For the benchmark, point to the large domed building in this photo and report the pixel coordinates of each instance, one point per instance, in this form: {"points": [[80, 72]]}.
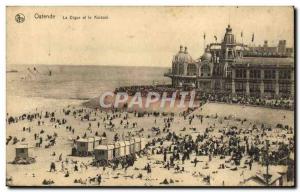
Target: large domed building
{"points": [[226, 67], [183, 64]]}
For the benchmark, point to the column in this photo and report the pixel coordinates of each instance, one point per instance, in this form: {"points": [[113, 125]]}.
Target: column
{"points": [[233, 82], [173, 82], [185, 69], [247, 83], [292, 83], [262, 85], [276, 82], [221, 85]]}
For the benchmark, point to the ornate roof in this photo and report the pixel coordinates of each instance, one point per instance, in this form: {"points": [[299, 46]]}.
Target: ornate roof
{"points": [[206, 56], [182, 56]]}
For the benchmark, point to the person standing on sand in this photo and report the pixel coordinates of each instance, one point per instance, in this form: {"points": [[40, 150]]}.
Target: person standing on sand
{"points": [[52, 167], [99, 178], [75, 167], [165, 155], [195, 161], [62, 166], [60, 157], [67, 174], [148, 168], [183, 159]]}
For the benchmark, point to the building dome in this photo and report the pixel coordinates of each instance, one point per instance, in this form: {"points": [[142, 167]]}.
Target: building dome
{"points": [[182, 56], [206, 56]]}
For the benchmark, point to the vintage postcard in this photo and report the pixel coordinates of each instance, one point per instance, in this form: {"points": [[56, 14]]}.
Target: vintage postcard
{"points": [[150, 96]]}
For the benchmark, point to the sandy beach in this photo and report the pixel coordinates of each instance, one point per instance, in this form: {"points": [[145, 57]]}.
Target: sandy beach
{"points": [[34, 174]]}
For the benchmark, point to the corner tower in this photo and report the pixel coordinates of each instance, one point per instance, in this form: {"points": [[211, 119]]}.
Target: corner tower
{"points": [[228, 52]]}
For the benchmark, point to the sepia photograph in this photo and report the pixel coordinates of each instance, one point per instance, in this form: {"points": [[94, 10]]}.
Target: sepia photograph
{"points": [[150, 96]]}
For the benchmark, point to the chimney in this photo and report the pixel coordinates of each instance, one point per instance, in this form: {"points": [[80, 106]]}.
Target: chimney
{"points": [[265, 43], [185, 50], [180, 49]]}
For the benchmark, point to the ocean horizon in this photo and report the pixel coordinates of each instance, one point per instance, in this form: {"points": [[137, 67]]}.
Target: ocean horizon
{"points": [[77, 81]]}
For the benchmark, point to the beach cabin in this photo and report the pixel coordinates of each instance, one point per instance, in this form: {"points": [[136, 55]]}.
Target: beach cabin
{"points": [[122, 148], [116, 151], [104, 152], [23, 151], [131, 148], [137, 144], [127, 147], [85, 147]]}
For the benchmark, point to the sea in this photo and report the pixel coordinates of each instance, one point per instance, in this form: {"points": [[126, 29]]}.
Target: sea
{"points": [[77, 81]]}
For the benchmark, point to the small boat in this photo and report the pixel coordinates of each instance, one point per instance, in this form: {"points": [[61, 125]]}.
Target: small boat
{"points": [[12, 71]]}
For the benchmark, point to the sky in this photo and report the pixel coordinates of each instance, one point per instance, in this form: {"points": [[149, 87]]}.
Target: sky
{"points": [[135, 36]]}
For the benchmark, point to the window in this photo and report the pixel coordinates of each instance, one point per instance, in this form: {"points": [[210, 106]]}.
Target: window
{"points": [[230, 54], [284, 88], [241, 73], [175, 68], [191, 69], [227, 70], [181, 69], [254, 87], [269, 87], [239, 86], [254, 74], [284, 74], [217, 85], [270, 74], [205, 70], [228, 86]]}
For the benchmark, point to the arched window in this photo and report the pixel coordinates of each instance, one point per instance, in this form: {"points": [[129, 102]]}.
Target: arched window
{"points": [[175, 68], [227, 70], [181, 69], [230, 54], [191, 69], [205, 70]]}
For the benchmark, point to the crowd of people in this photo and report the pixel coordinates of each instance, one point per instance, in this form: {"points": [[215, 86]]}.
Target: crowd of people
{"points": [[239, 147], [237, 142], [280, 103]]}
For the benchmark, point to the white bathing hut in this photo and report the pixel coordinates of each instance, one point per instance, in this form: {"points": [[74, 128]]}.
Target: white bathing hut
{"points": [[127, 147], [85, 146], [23, 151], [132, 145], [137, 144], [104, 152]]}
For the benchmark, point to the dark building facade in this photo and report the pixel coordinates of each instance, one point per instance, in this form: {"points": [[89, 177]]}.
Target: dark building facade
{"points": [[227, 67]]}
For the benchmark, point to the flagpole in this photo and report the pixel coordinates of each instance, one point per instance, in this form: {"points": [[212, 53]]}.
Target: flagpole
{"points": [[242, 36], [204, 37]]}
